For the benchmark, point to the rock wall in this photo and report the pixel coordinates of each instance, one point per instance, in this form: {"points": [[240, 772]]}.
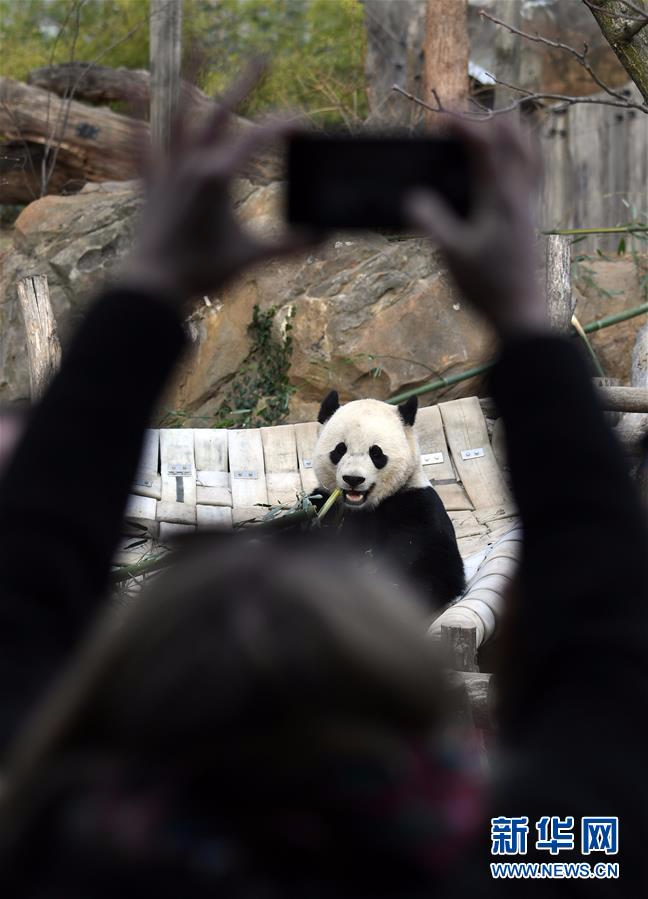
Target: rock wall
{"points": [[75, 241], [372, 315]]}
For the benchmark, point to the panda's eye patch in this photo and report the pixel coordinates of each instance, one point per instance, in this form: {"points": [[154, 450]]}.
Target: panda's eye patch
{"points": [[378, 458], [336, 454]]}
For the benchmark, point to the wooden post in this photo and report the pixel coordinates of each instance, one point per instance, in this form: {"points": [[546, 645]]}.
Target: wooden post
{"points": [[460, 643], [479, 688], [165, 23], [560, 302], [43, 348], [395, 36]]}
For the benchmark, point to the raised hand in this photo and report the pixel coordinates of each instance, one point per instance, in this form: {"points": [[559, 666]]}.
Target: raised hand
{"points": [[189, 241], [491, 254]]}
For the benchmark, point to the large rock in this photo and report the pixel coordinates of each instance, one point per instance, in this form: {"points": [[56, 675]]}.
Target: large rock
{"points": [[372, 315]]}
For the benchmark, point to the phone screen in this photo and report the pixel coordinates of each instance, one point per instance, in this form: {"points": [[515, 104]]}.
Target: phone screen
{"points": [[346, 182]]}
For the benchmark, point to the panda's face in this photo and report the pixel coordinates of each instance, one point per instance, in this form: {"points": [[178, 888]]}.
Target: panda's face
{"points": [[367, 449]]}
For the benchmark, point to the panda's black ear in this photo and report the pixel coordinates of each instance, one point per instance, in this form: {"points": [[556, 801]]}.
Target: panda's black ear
{"points": [[408, 410], [330, 404]]}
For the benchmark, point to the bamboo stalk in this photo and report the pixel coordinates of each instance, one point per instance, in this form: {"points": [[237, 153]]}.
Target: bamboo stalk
{"points": [[284, 521], [617, 229], [126, 572], [615, 319], [442, 382], [576, 325], [330, 502]]}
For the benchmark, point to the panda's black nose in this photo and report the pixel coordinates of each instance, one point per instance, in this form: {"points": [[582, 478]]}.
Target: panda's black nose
{"points": [[353, 480]]}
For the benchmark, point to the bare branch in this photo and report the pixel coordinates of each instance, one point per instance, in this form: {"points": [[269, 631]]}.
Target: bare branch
{"points": [[565, 100], [439, 108], [581, 57], [569, 100]]}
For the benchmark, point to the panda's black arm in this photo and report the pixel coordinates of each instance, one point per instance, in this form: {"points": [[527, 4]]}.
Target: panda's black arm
{"points": [[574, 687], [62, 496], [419, 536]]}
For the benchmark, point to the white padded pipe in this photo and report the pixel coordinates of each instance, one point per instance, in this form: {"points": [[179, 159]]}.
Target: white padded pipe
{"points": [[481, 604]]}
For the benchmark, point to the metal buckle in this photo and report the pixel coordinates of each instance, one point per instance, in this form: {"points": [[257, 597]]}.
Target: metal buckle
{"points": [[431, 458], [245, 475]]}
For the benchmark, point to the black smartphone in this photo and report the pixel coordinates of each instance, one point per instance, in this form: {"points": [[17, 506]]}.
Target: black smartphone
{"points": [[345, 181]]}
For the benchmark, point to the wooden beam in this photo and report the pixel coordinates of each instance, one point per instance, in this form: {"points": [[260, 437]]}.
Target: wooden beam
{"points": [[560, 301], [479, 689], [43, 347], [613, 399], [624, 399], [165, 24], [460, 644]]}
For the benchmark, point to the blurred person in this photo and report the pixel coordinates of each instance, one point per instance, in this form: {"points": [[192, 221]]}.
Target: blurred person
{"points": [[264, 722]]}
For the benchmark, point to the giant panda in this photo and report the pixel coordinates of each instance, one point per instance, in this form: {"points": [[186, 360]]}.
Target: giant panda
{"points": [[369, 450]]}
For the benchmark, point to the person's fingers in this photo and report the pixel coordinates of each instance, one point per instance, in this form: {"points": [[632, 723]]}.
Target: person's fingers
{"points": [[258, 137], [229, 158], [181, 124], [233, 97], [297, 240], [427, 211]]}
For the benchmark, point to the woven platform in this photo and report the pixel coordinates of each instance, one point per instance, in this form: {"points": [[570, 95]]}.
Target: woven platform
{"points": [[197, 478]]}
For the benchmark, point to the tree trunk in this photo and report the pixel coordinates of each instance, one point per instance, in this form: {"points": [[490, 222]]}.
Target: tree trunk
{"points": [[395, 34], [446, 53], [630, 45]]}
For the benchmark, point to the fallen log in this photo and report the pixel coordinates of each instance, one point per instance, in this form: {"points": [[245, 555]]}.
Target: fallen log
{"points": [[89, 143], [102, 84], [86, 143], [21, 168]]}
